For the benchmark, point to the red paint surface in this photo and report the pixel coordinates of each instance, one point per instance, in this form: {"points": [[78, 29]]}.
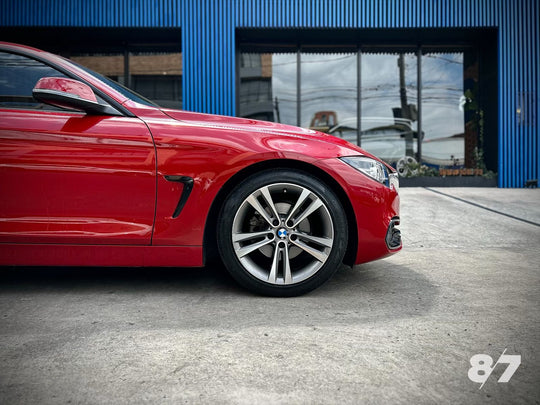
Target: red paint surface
{"points": [[70, 86]]}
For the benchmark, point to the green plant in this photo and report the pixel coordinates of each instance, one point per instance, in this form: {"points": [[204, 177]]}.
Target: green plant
{"points": [[479, 149], [414, 169]]}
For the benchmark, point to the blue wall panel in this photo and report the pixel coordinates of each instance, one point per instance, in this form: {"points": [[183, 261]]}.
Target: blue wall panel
{"points": [[91, 13], [208, 41], [366, 13], [208, 56], [519, 72]]}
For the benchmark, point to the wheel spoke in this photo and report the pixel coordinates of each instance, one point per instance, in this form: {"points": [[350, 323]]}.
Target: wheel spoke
{"points": [[268, 198], [258, 207], [272, 277], [317, 254], [314, 206], [286, 266], [305, 194], [326, 242], [281, 257], [240, 237], [245, 250]]}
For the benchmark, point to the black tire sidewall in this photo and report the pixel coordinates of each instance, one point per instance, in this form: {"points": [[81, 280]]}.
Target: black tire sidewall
{"points": [[235, 199]]}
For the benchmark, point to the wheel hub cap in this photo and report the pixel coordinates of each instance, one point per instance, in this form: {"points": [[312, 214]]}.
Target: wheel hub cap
{"points": [[282, 233]]}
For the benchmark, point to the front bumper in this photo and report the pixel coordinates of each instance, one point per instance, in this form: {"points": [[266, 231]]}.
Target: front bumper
{"points": [[393, 235], [376, 211]]}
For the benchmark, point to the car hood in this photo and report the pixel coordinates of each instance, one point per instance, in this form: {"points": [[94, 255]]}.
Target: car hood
{"points": [[264, 128]]}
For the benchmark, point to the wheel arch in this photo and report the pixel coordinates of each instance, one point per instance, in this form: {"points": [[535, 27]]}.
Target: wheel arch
{"points": [[210, 250]]}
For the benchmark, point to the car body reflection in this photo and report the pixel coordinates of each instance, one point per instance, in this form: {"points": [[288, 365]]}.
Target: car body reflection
{"points": [[393, 139]]}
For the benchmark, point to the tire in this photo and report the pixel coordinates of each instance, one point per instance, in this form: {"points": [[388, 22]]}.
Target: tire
{"points": [[282, 233]]}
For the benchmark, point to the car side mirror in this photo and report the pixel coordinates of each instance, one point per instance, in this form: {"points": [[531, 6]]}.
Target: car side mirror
{"points": [[71, 94]]}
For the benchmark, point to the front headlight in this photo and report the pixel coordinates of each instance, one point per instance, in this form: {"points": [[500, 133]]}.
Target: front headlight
{"points": [[368, 166]]}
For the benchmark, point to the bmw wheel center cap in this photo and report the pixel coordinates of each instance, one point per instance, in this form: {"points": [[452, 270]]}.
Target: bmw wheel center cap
{"points": [[282, 233]]}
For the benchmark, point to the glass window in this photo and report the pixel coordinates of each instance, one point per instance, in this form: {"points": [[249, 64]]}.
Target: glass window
{"points": [[256, 96], [165, 91], [284, 87], [18, 76], [389, 100], [329, 92], [267, 88], [329, 99], [155, 75], [118, 87], [443, 106], [110, 65], [250, 60]]}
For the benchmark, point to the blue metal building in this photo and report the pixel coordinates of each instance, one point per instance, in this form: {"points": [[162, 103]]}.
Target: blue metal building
{"points": [[212, 33]]}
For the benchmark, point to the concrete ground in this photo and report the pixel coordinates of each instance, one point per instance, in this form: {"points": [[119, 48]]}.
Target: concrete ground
{"points": [[399, 330]]}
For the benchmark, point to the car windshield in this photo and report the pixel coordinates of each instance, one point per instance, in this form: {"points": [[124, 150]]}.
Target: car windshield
{"points": [[117, 86]]}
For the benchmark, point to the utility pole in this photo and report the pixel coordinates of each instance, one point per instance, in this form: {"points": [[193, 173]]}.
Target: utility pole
{"points": [[405, 109], [276, 107]]}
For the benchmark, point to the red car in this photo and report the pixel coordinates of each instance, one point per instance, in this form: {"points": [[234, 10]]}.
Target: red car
{"points": [[93, 174]]}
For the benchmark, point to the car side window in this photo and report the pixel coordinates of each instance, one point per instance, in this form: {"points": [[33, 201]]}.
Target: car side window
{"points": [[18, 76]]}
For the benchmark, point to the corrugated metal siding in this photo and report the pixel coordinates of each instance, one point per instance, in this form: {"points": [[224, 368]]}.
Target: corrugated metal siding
{"points": [[519, 73], [366, 13], [209, 57], [208, 28], [91, 13]]}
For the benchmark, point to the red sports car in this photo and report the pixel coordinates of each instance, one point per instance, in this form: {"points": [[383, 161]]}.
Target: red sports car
{"points": [[93, 174]]}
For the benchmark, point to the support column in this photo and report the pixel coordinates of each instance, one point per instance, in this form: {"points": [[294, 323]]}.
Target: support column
{"points": [[208, 49]]}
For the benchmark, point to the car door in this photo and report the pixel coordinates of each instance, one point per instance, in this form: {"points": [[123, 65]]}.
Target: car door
{"points": [[67, 177]]}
